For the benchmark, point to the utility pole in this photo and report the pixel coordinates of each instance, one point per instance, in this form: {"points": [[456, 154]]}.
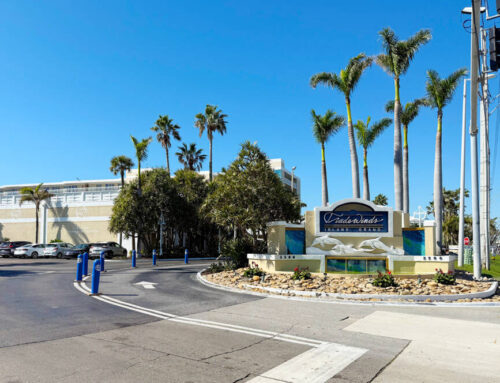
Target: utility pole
{"points": [[475, 25], [484, 160], [462, 181]]}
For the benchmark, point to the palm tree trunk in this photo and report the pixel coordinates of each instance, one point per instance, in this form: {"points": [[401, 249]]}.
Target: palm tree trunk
{"points": [[406, 180], [438, 186], [210, 161], [324, 183], [168, 161], [398, 171], [352, 148], [366, 183], [36, 222], [123, 184]]}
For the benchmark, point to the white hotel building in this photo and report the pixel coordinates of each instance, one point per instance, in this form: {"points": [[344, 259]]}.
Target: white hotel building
{"points": [[79, 211]]}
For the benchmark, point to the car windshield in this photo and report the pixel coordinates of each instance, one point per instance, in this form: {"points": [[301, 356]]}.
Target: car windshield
{"points": [[4, 244], [52, 245], [82, 246]]}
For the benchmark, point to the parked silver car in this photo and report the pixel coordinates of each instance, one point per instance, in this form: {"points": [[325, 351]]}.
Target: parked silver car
{"points": [[56, 249], [30, 250], [111, 249]]}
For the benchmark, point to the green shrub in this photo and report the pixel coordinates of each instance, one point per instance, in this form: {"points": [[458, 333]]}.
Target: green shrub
{"points": [[445, 279], [234, 252], [384, 280], [253, 271], [301, 274], [55, 241], [216, 268]]}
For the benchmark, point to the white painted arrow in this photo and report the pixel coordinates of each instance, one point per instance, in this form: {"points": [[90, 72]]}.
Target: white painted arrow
{"points": [[147, 285]]}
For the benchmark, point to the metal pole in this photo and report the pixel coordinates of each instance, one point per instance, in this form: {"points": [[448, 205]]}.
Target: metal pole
{"points": [[484, 166], [162, 222], [473, 137], [462, 182]]}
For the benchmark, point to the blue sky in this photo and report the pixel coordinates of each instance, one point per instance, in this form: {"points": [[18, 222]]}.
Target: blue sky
{"points": [[77, 78]]}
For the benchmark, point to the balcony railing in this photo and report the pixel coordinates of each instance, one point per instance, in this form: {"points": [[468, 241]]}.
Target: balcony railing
{"points": [[65, 196]]}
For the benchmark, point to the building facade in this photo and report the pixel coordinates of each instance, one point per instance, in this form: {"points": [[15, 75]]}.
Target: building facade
{"points": [[79, 211]]}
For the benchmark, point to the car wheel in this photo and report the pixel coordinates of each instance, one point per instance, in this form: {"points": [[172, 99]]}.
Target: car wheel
{"points": [[34, 255], [109, 255], [59, 255], [125, 253]]}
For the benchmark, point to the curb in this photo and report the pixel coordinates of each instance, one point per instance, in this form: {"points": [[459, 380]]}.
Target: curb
{"points": [[338, 298]]}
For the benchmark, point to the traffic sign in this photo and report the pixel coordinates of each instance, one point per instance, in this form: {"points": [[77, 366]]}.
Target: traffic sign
{"points": [[466, 241]]}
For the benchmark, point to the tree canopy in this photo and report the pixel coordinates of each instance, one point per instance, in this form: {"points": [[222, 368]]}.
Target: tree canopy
{"points": [[249, 194]]}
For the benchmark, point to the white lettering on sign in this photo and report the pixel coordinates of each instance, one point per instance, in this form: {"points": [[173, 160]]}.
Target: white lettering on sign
{"points": [[341, 219]]}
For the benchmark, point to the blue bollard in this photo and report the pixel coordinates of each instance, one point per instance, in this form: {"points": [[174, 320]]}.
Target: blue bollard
{"points": [[96, 274], [103, 259], [85, 259], [154, 257], [186, 256], [134, 258], [79, 266]]}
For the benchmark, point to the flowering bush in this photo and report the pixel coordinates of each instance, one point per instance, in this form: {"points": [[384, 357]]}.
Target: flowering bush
{"points": [[445, 279], [301, 274], [384, 280], [253, 271]]}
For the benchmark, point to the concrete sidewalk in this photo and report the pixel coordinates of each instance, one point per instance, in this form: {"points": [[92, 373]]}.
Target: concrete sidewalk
{"points": [[156, 352], [441, 350]]}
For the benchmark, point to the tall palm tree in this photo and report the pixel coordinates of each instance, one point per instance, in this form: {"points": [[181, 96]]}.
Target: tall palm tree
{"points": [[165, 128], [345, 82], [439, 94], [323, 128], [366, 137], [141, 153], [121, 164], [213, 120], [36, 195], [407, 115], [396, 61], [191, 157]]}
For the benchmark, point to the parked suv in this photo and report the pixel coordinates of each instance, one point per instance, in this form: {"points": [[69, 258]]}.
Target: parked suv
{"points": [[30, 250], [7, 248], [111, 249], [56, 249]]}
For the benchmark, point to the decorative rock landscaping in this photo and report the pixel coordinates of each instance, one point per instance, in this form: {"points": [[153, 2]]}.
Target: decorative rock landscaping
{"points": [[358, 288]]}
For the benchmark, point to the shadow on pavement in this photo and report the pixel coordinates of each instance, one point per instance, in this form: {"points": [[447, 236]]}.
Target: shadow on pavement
{"points": [[14, 273], [28, 264]]}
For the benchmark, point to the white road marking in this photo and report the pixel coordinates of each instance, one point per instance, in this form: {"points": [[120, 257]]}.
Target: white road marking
{"points": [[317, 365], [314, 366], [146, 285]]}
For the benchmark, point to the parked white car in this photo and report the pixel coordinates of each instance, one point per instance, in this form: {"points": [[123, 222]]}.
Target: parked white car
{"points": [[30, 250], [56, 249]]}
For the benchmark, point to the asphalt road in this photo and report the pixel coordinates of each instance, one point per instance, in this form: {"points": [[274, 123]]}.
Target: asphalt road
{"points": [[50, 331], [38, 301]]}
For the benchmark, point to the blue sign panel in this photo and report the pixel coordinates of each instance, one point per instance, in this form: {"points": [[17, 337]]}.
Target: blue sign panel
{"points": [[353, 221]]}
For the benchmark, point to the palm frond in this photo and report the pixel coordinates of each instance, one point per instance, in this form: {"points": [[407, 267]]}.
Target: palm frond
{"points": [[376, 129], [389, 107], [327, 125]]}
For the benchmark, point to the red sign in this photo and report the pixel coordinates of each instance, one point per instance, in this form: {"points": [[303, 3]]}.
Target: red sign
{"points": [[466, 241]]}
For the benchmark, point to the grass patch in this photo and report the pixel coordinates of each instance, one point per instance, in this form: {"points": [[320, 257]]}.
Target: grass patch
{"points": [[493, 272]]}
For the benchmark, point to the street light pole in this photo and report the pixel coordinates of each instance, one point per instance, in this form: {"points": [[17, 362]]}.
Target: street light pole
{"points": [[476, 4], [484, 163], [162, 222], [462, 181]]}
